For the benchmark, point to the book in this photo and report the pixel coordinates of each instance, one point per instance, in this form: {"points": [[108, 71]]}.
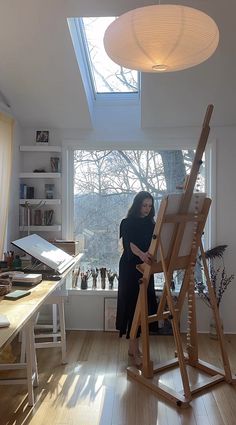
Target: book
{"points": [[24, 219], [23, 190], [48, 217], [16, 295], [26, 279], [38, 220], [49, 191], [29, 192], [55, 164]]}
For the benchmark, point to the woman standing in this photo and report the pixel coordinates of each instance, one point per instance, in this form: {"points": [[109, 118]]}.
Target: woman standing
{"points": [[136, 233]]}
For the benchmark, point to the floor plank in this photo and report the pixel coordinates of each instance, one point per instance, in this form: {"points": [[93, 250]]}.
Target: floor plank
{"points": [[93, 389]]}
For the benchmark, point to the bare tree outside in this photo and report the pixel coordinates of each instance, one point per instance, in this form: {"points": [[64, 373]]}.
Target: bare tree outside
{"points": [[105, 183], [108, 77]]}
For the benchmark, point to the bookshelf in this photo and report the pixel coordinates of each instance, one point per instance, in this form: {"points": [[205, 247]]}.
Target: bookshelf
{"points": [[40, 189]]}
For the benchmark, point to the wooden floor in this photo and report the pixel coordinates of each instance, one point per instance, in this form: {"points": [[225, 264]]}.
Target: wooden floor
{"points": [[92, 389]]}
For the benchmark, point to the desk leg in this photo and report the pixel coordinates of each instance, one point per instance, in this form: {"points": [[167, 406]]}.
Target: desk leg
{"points": [[31, 363], [34, 357], [54, 321], [63, 330], [22, 352]]}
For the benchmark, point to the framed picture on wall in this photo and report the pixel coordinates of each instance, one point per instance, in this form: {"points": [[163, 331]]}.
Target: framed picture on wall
{"points": [[110, 314], [42, 136]]}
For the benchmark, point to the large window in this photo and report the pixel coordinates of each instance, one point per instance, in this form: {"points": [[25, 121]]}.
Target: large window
{"points": [[105, 183]]}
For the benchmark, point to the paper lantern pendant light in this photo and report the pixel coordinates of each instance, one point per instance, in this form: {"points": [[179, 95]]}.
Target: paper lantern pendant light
{"points": [[161, 38]]}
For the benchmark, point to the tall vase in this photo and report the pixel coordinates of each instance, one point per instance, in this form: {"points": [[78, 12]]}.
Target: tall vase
{"points": [[212, 326]]}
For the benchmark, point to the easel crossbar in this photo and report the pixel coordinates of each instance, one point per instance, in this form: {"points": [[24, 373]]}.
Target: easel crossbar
{"points": [[183, 218], [159, 389], [206, 383], [177, 397]]}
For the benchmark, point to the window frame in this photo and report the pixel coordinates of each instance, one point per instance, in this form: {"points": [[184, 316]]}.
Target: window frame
{"points": [[84, 61], [68, 185]]}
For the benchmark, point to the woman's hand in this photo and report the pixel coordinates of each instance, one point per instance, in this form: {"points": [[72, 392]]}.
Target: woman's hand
{"points": [[146, 257]]}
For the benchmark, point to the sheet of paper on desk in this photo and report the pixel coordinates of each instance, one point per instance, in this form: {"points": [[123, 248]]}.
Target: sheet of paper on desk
{"points": [[44, 251], [26, 278], [4, 322]]}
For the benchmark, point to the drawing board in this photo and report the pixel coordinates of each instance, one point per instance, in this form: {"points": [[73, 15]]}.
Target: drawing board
{"points": [[46, 252]]}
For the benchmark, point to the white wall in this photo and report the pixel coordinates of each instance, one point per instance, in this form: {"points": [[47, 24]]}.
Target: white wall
{"points": [[225, 216], [225, 198], [13, 217]]}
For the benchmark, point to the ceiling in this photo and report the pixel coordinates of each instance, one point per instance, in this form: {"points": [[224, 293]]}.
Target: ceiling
{"points": [[40, 78]]}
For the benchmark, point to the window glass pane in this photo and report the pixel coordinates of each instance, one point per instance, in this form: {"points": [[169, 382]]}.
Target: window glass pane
{"points": [[107, 76], [105, 183]]}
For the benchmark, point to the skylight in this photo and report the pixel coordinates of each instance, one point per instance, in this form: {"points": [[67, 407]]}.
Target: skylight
{"points": [[105, 76]]}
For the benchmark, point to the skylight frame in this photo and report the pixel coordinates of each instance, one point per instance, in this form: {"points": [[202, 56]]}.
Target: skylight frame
{"points": [[81, 44], [86, 54]]}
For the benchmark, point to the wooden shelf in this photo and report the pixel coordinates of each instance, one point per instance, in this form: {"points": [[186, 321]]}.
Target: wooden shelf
{"points": [[40, 148], [40, 175], [53, 228], [37, 201]]}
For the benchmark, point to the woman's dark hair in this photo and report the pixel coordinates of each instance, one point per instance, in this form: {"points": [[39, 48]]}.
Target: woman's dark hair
{"points": [[135, 208]]}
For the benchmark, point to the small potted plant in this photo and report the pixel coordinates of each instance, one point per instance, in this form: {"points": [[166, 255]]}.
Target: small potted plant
{"points": [[219, 278]]}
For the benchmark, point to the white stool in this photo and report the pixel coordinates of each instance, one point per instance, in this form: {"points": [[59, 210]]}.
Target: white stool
{"points": [[57, 334]]}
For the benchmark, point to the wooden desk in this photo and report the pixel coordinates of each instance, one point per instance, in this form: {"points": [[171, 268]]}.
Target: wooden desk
{"points": [[21, 314]]}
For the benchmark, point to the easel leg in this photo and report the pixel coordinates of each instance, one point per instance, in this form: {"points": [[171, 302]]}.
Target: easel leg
{"points": [[192, 346], [179, 348], [175, 326], [147, 368], [228, 374]]}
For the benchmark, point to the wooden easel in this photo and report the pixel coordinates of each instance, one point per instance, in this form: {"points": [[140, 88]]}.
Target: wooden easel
{"points": [[174, 249]]}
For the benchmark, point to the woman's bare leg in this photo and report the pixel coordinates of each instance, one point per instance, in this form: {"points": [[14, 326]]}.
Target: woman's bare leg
{"points": [[135, 352]]}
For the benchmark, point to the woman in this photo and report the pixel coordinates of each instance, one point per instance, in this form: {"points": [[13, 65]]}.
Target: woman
{"points": [[136, 233]]}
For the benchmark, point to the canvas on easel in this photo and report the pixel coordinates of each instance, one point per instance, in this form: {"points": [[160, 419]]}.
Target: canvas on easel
{"points": [[175, 244]]}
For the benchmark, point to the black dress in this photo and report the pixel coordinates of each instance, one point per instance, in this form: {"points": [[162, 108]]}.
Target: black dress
{"points": [[138, 231]]}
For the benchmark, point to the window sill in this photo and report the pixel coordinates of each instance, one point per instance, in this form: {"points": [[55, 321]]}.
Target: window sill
{"points": [[90, 291]]}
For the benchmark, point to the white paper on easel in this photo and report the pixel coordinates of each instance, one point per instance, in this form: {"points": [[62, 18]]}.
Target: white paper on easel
{"points": [[174, 201]]}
